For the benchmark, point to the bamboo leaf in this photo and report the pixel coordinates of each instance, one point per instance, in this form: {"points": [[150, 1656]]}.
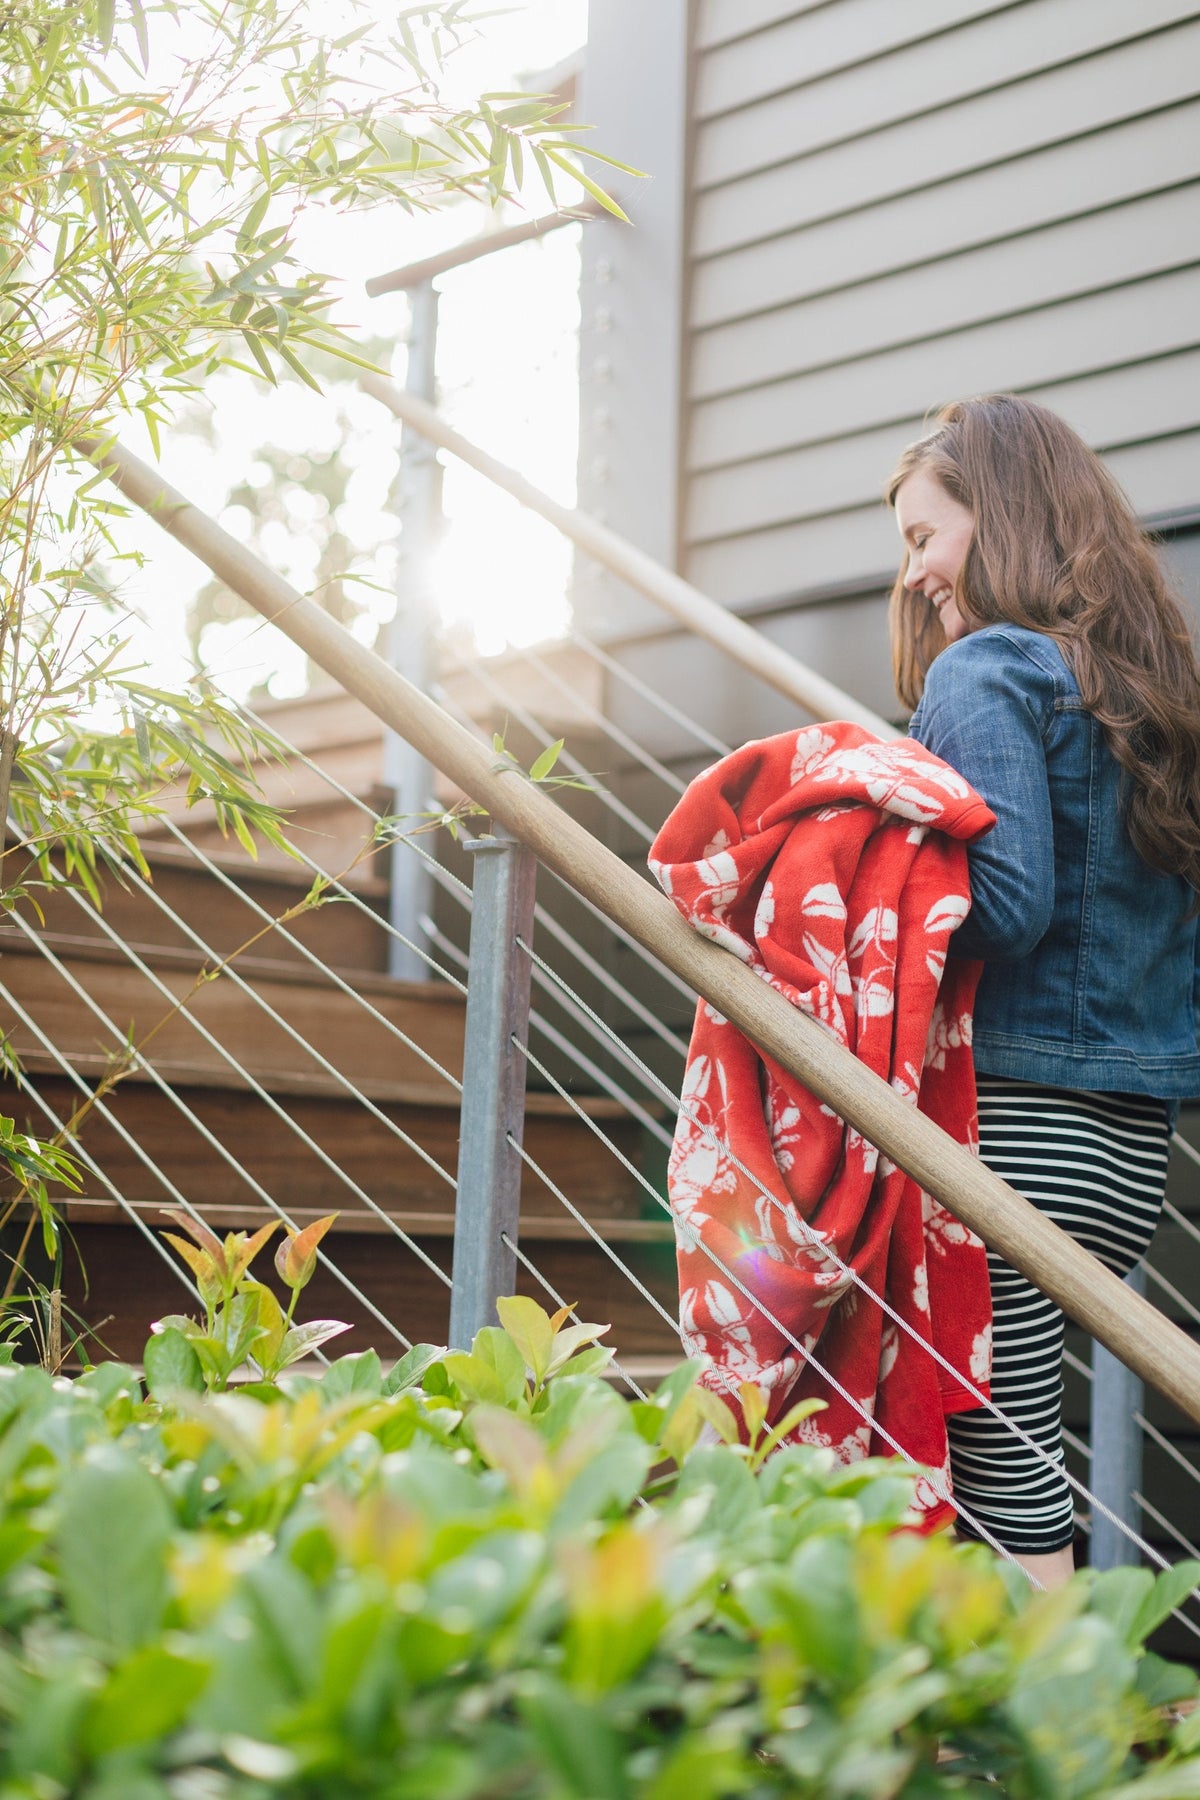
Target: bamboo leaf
{"points": [[543, 764]]}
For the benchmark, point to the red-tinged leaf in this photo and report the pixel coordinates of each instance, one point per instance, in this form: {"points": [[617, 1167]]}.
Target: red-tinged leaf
{"points": [[203, 1236], [198, 1261], [296, 1257], [241, 1250]]}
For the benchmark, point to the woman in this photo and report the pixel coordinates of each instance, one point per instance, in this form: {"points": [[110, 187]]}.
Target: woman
{"points": [[1034, 635]]}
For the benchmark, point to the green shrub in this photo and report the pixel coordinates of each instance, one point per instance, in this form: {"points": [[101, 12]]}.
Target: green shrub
{"points": [[485, 1576]]}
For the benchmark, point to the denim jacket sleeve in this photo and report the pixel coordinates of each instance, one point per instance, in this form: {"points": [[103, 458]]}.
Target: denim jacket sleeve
{"points": [[985, 711]]}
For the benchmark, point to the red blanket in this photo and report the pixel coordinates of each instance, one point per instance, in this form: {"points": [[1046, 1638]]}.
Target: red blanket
{"points": [[834, 865]]}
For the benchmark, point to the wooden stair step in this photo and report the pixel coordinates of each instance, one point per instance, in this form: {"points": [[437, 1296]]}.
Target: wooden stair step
{"points": [[534, 1228], [320, 1013], [342, 935], [280, 1156]]}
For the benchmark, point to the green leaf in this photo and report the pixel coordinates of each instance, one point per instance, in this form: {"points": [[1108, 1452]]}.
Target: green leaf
{"points": [[113, 1531], [727, 1486], [577, 1741], [1160, 1683], [411, 1368], [1179, 1782], [529, 1327], [570, 1339], [302, 1340], [358, 1373], [271, 1322], [1170, 1590], [171, 1362], [542, 765], [146, 1697], [1068, 1703]]}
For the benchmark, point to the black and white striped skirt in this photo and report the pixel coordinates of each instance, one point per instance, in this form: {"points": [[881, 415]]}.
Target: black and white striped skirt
{"points": [[1096, 1165]]}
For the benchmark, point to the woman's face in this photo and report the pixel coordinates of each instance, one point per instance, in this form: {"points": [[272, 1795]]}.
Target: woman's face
{"points": [[937, 534]]}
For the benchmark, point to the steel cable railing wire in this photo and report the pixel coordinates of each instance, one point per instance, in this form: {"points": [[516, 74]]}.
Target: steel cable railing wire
{"points": [[1079, 1487], [1164, 1524], [255, 1087], [210, 1137], [1164, 1443], [310, 956], [852, 1275], [645, 692], [582, 1062], [549, 924], [84, 1156], [230, 973], [541, 736], [459, 889], [1172, 1292], [608, 726], [1083, 1518]]}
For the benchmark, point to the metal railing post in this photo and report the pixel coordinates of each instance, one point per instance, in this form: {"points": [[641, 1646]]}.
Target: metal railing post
{"points": [[1116, 1464], [407, 637], [488, 1193]]}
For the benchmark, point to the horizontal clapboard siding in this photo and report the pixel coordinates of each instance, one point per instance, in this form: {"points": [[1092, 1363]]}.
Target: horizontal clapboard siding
{"points": [[896, 205], [1055, 106], [1130, 323], [1115, 410], [987, 206], [1036, 269], [814, 44], [1005, 46], [720, 21]]}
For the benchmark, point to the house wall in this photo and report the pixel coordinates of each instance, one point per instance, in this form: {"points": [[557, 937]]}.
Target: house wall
{"points": [[893, 205]]}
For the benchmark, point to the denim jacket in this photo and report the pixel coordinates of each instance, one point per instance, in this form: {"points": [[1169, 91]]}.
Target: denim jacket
{"points": [[1089, 954]]}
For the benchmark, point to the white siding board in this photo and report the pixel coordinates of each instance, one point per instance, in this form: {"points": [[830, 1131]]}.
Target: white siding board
{"points": [[720, 21], [1084, 175], [1125, 324], [1123, 243], [914, 86], [798, 484], [792, 558], [847, 641], [1121, 407], [864, 545], [1061, 104], [1161, 476], [809, 46]]}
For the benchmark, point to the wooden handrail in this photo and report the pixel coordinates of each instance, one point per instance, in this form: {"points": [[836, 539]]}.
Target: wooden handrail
{"points": [[720, 627], [524, 231], [1122, 1320]]}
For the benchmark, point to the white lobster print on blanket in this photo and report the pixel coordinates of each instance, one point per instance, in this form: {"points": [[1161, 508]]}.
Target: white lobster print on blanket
{"points": [[834, 865]]}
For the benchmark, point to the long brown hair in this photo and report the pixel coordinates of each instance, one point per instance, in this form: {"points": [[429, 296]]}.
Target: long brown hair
{"points": [[1056, 547]]}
